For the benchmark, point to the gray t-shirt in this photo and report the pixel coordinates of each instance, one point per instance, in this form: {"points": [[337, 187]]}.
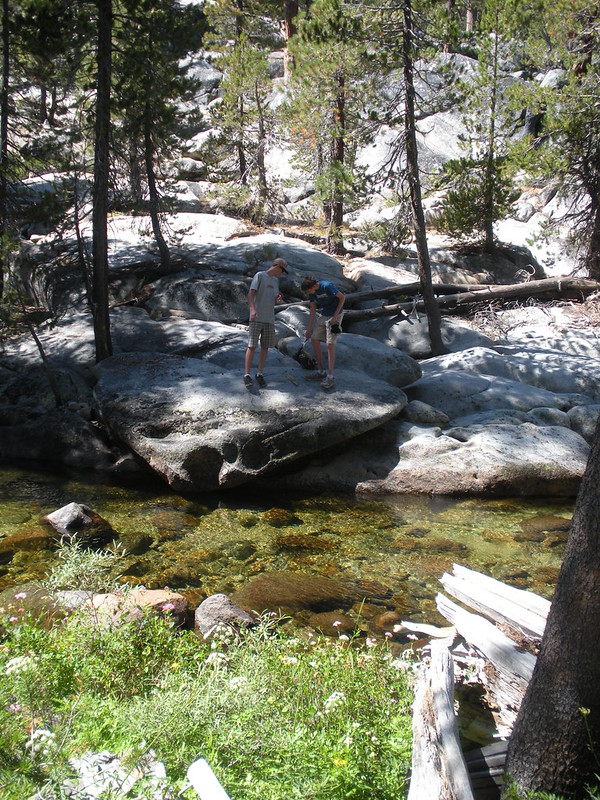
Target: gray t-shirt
{"points": [[267, 289]]}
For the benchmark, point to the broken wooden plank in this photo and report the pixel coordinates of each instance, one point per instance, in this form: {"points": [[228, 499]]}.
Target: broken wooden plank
{"points": [[438, 767], [491, 642], [523, 611], [425, 628]]}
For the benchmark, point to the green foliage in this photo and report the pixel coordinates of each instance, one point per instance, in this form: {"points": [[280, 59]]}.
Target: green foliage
{"points": [[90, 570], [333, 83], [152, 93], [466, 203], [480, 184], [275, 715]]}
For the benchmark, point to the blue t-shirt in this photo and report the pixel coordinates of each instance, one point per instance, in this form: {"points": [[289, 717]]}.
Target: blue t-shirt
{"points": [[326, 298]]}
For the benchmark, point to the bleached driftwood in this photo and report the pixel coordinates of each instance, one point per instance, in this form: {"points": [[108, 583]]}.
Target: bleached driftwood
{"points": [[501, 665], [438, 766], [508, 669], [489, 640], [523, 611], [549, 288], [427, 630]]}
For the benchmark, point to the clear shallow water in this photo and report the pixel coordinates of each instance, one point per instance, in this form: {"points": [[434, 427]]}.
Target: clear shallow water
{"points": [[393, 549]]}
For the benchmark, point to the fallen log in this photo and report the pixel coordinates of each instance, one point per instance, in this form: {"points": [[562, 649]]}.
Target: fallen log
{"points": [[438, 767], [551, 288], [484, 653], [508, 669], [522, 611]]}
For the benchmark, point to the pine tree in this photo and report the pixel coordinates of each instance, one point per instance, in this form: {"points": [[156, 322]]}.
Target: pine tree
{"points": [[480, 184], [243, 33], [150, 85], [331, 83]]}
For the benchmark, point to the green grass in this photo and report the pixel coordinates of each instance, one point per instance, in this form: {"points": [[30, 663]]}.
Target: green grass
{"points": [[276, 715]]}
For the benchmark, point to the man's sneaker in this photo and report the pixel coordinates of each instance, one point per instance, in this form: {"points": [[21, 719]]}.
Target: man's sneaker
{"points": [[248, 381], [327, 383], [316, 376], [260, 380]]}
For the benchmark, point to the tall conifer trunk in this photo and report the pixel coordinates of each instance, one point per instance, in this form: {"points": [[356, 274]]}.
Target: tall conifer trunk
{"points": [[335, 243], [555, 742], [4, 140], [412, 162], [100, 196]]}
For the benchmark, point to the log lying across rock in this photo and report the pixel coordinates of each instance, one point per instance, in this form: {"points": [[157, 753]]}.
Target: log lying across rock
{"points": [[503, 660], [549, 288], [454, 295]]}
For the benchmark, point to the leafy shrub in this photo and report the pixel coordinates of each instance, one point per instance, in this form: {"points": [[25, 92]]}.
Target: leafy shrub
{"points": [[275, 715]]}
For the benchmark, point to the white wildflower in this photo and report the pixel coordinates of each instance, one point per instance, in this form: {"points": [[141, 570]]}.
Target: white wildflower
{"points": [[335, 700], [19, 664]]}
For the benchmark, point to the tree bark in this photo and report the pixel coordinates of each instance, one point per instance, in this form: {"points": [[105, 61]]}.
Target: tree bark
{"points": [[4, 107], [290, 10], [263, 189], [336, 210], [593, 253], [433, 313], [490, 165], [100, 196], [555, 744], [470, 21], [163, 248]]}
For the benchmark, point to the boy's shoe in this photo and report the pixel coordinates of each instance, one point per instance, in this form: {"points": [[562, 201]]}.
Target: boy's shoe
{"points": [[260, 380], [327, 383], [248, 381], [316, 376]]}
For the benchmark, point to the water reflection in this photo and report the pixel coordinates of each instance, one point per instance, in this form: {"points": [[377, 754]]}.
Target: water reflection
{"points": [[389, 552]]}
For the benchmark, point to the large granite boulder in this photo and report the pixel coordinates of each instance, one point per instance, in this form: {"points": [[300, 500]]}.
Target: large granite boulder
{"points": [[196, 424]]}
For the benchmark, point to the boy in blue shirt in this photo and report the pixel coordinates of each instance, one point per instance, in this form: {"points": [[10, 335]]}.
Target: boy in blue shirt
{"points": [[326, 303]]}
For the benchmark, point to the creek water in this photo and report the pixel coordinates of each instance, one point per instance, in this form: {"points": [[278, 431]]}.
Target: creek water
{"points": [[391, 550]]}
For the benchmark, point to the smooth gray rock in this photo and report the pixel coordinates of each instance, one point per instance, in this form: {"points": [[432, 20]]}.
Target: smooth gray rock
{"points": [[196, 424], [219, 609], [506, 459], [366, 356]]}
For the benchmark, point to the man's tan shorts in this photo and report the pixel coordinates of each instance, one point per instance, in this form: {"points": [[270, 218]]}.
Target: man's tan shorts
{"points": [[322, 329]]}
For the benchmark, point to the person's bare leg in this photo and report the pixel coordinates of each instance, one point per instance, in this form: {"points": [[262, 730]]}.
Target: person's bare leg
{"points": [[262, 357], [248, 359], [318, 353], [331, 358]]}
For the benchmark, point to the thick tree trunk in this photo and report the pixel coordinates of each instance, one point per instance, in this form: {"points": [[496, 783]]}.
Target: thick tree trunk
{"points": [[555, 743], [4, 140], [593, 252], [290, 10], [335, 244], [163, 248], [433, 313], [100, 197], [470, 21]]}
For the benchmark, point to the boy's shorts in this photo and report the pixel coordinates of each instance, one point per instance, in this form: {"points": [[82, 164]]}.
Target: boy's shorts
{"points": [[263, 331], [322, 329]]}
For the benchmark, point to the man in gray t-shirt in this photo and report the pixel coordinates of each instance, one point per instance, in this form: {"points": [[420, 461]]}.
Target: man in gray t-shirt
{"points": [[262, 296]]}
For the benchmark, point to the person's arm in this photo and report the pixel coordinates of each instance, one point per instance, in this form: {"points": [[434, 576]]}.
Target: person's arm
{"points": [[341, 300], [251, 296], [311, 319]]}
